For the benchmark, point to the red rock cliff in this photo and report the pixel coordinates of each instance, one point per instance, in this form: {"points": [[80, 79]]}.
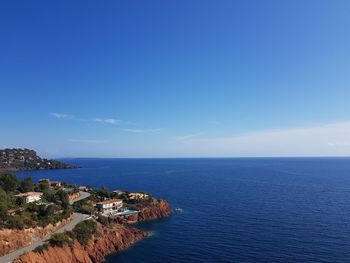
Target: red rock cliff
{"points": [[154, 210], [157, 209], [106, 241], [12, 239]]}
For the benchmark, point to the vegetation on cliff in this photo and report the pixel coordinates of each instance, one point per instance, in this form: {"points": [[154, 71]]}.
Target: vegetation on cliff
{"points": [[15, 213], [102, 234], [82, 233], [105, 240], [86, 206], [25, 159]]}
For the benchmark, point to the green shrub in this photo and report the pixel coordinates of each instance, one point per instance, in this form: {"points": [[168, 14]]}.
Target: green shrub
{"points": [[71, 234], [104, 220], [26, 184], [84, 230], [8, 182], [15, 222], [41, 248], [84, 206], [104, 192], [42, 186], [59, 239]]}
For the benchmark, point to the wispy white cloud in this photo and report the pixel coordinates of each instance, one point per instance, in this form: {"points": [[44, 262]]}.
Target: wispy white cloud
{"points": [[339, 143], [112, 121], [319, 140], [61, 115], [187, 136], [88, 141], [107, 120], [142, 130]]}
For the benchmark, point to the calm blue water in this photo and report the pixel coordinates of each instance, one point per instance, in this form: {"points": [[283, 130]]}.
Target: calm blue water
{"points": [[234, 210]]}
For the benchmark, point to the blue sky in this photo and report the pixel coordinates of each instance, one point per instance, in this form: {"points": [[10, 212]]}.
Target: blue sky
{"points": [[175, 78]]}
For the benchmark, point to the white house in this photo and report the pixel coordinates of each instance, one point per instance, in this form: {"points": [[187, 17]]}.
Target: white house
{"points": [[83, 188], [110, 206], [30, 197]]}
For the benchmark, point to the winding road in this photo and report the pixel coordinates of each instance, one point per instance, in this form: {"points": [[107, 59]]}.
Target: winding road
{"points": [[77, 218], [82, 196]]}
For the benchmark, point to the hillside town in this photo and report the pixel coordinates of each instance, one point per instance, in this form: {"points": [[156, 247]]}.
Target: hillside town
{"points": [[103, 202], [26, 159]]}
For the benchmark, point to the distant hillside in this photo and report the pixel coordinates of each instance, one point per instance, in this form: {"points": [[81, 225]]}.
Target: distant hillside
{"points": [[25, 159]]}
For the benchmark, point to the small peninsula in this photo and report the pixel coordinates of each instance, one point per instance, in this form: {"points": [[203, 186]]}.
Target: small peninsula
{"points": [[52, 221], [26, 159]]}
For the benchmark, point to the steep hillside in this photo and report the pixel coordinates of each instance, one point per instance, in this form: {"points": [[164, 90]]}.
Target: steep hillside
{"points": [[25, 159]]}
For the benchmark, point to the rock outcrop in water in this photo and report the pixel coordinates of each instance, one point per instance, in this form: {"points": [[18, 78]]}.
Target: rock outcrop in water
{"points": [[155, 209]]}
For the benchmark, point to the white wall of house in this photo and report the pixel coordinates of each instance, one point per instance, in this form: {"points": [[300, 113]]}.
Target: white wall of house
{"points": [[108, 208], [33, 198]]}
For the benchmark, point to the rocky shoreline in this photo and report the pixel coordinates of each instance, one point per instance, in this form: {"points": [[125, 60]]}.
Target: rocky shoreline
{"points": [[107, 239], [155, 210]]}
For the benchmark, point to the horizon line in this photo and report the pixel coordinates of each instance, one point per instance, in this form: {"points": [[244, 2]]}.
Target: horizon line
{"points": [[209, 157]]}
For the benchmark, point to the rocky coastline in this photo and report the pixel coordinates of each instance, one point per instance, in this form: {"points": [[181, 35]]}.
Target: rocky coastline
{"points": [[155, 210], [25, 159], [107, 239]]}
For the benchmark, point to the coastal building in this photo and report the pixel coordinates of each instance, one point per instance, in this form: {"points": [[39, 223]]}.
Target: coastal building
{"points": [[30, 197], [83, 188], [119, 192], [110, 207], [138, 195]]}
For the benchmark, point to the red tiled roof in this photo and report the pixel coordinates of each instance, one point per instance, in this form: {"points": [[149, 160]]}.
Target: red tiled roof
{"points": [[29, 194]]}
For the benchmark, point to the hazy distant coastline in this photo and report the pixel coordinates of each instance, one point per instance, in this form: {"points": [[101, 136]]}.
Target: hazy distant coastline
{"points": [[25, 159]]}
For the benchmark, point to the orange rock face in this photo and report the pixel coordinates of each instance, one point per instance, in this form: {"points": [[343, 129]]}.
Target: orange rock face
{"points": [[107, 241], [57, 255], [12, 239], [157, 209]]}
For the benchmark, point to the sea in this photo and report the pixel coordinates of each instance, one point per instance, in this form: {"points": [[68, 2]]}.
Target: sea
{"points": [[231, 210]]}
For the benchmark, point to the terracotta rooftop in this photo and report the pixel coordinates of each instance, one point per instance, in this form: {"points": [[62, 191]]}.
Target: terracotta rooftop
{"points": [[29, 194]]}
